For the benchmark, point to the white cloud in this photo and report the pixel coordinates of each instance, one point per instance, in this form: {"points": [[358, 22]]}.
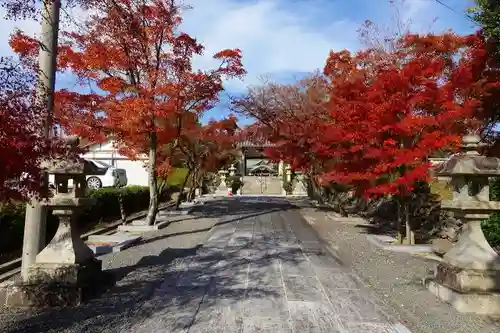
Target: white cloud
{"points": [[276, 36], [273, 38]]}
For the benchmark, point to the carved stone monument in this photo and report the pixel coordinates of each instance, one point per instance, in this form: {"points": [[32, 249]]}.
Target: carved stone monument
{"points": [[468, 278]]}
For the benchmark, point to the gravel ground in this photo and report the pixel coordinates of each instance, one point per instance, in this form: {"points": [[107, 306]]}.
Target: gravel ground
{"points": [[396, 278], [138, 270]]}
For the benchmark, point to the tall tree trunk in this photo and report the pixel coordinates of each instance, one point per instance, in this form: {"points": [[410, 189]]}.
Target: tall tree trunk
{"points": [[193, 186], [122, 207], [162, 188], [181, 192], [316, 189], [401, 231], [153, 181]]}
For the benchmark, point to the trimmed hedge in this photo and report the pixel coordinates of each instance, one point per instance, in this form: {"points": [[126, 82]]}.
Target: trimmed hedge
{"points": [[107, 208], [135, 198]]}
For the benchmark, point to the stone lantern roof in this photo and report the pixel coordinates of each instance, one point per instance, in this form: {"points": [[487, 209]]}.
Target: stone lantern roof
{"points": [[470, 163]]}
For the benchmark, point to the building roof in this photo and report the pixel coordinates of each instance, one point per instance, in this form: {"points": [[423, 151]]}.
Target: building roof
{"points": [[250, 143]]}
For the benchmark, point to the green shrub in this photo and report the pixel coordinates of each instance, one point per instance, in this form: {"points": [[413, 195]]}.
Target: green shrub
{"points": [[106, 208], [491, 229], [491, 226]]}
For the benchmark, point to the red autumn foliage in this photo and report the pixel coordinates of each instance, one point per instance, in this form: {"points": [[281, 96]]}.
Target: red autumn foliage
{"points": [[139, 67], [20, 148], [375, 119], [387, 118], [289, 117], [206, 148], [22, 125]]}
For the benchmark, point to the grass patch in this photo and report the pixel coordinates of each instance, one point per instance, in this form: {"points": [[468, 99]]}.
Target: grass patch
{"points": [[177, 177]]}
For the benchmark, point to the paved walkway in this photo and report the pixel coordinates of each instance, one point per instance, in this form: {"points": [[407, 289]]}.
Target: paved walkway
{"points": [[262, 268]]}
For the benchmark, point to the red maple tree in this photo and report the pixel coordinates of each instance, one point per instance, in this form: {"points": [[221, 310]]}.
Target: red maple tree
{"points": [[139, 65], [388, 117], [389, 114], [289, 116], [206, 148], [20, 145]]}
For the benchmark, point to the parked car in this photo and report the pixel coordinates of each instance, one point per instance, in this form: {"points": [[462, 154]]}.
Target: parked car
{"points": [[102, 175], [106, 175]]}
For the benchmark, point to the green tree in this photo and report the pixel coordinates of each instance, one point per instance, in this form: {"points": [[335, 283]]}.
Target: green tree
{"points": [[487, 13]]}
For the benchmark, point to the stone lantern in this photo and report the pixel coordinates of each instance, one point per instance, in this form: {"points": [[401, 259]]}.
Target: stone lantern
{"points": [[222, 188], [300, 187], [232, 170], [66, 261], [469, 276]]}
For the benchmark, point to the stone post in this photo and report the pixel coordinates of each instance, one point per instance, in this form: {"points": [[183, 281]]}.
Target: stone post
{"points": [[469, 276]]}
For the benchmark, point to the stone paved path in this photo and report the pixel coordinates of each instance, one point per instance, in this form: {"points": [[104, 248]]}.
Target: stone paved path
{"points": [[261, 268], [264, 273]]}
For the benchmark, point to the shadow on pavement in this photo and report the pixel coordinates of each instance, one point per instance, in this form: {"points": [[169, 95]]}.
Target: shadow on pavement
{"points": [[182, 285]]}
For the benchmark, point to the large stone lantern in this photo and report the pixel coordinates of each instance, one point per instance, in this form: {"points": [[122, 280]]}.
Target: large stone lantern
{"points": [[469, 276], [222, 188], [66, 266]]}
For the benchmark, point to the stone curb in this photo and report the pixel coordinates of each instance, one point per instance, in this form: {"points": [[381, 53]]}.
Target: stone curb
{"points": [[379, 242], [122, 242]]}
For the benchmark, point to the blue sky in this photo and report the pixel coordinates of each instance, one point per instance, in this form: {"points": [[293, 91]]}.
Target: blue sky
{"points": [[284, 39]]}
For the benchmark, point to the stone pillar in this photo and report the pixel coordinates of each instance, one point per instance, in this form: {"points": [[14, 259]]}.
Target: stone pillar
{"points": [[469, 276], [222, 175]]}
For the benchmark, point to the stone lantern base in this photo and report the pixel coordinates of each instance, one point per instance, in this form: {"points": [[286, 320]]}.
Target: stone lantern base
{"points": [[469, 276], [64, 274], [487, 303], [55, 285]]}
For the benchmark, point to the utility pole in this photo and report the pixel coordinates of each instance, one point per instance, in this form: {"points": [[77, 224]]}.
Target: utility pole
{"points": [[36, 214]]}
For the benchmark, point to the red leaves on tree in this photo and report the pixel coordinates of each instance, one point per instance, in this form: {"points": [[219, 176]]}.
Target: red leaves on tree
{"points": [[134, 54], [20, 146], [376, 117], [208, 147], [388, 117]]}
